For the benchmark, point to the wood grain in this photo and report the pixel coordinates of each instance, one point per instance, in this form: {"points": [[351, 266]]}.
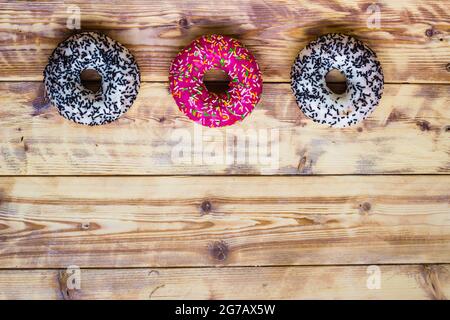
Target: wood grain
{"points": [[408, 133], [227, 237], [318, 282], [110, 222], [412, 41]]}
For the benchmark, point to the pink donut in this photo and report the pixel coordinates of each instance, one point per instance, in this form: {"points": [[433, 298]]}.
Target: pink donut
{"points": [[208, 108]]}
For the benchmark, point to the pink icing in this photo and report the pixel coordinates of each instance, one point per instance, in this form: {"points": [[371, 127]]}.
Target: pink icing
{"points": [[208, 108]]}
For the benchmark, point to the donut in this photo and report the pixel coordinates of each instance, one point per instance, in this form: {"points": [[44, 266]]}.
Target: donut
{"points": [[361, 68], [190, 93], [116, 66]]}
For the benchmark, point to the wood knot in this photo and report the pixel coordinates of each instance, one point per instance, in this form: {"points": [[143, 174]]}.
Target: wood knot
{"points": [[85, 226], [162, 119], [366, 206], [447, 67], [305, 221], [423, 125], [183, 23], [206, 207], [219, 250], [429, 32], [360, 129]]}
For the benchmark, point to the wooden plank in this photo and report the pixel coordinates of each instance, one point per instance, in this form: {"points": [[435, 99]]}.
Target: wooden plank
{"points": [[407, 133], [318, 282], [412, 41], [53, 222]]}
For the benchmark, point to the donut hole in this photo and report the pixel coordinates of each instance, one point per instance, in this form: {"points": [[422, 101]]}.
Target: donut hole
{"points": [[91, 80], [217, 81], [336, 81]]}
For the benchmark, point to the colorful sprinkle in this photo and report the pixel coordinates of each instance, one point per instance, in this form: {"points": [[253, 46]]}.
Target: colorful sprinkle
{"points": [[192, 97]]}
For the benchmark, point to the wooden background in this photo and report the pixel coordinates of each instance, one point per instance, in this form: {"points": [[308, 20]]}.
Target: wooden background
{"points": [[110, 199]]}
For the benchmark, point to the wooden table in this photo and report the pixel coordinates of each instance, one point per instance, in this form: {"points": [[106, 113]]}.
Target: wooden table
{"points": [[112, 200]]}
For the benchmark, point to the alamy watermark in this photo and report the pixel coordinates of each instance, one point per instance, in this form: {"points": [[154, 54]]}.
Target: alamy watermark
{"points": [[73, 278], [373, 281], [73, 21], [374, 19], [258, 147]]}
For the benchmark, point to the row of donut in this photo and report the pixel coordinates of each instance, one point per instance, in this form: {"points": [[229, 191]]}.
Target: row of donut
{"points": [[121, 80]]}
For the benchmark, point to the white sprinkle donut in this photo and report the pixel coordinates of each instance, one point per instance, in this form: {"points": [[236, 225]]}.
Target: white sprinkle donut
{"points": [[356, 61], [117, 67]]}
